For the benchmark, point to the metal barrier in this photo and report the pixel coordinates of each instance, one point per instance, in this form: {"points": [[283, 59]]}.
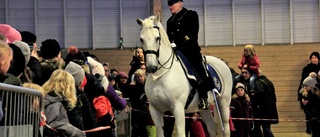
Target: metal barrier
{"points": [[123, 118], [22, 111]]}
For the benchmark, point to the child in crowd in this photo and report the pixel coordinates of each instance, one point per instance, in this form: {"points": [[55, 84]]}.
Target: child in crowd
{"points": [[241, 108], [137, 60], [251, 61], [60, 97], [310, 103]]}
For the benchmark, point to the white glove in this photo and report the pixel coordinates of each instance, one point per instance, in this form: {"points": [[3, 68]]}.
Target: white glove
{"points": [[173, 45]]}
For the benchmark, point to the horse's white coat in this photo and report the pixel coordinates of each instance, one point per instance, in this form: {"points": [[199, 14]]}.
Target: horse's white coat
{"points": [[167, 89]]}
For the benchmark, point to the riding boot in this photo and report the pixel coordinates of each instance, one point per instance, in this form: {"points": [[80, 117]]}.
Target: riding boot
{"points": [[203, 89]]}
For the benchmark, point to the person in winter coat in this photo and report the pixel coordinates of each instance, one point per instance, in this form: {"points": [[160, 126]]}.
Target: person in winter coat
{"points": [[60, 97], [250, 58], [241, 108], [313, 66], [310, 100]]}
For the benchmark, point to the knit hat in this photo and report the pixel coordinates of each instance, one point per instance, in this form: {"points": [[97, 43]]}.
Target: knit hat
{"points": [[102, 106], [28, 37], [50, 48], [309, 81], [123, 74], [316, 54], [96, 66], [239, 85], [11, 33], [76, 71], [24, 47], [18, 61], [76, 56]]}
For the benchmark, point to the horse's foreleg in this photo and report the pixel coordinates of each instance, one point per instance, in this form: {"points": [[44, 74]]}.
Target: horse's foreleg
{"points": [[208, 119], [157, 118], [179, 115]]}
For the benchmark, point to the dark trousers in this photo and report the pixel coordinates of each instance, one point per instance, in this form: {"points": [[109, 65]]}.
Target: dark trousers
{"points": [[256, 132], [314, 125], [204, 82]]}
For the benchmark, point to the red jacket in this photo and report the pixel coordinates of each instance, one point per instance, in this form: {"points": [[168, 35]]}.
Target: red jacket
{"points": [[253, 62]]}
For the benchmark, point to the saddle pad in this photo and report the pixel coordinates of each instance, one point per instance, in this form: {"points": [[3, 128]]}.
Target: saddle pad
{"points": [[215, 78]]}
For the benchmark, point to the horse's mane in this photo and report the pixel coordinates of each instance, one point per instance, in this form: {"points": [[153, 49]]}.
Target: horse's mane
{"points": [[150, 22]]}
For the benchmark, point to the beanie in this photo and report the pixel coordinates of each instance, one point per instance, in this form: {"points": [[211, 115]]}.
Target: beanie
{"points": [[102, 106], [309, 81], [28, 37], [239, 85], [316, 54], [76, 71], [50, 48], [123, 74], [76, 56], [96, 66], [18, 61], [24, 47], [11, 33]]}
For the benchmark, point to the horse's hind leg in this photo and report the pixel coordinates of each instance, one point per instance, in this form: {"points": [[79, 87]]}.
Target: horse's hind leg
{"points": [[157, 118], [224, 105], [208, 119]]}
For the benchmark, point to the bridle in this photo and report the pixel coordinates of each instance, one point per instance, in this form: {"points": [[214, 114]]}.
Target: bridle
{"points": [[157, 51]]}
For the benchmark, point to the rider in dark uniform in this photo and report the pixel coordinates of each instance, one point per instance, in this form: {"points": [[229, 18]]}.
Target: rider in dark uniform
{"points": [[183, 29]]}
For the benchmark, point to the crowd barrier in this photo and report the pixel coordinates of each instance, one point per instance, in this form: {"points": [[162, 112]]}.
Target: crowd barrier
{"points": [[21, 109], [123, 118]]}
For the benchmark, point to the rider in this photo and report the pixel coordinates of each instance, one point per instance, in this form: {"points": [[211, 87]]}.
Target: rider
{"points": [[182, 29]]}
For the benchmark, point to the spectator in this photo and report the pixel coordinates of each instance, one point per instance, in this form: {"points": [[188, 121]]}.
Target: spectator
{"points": [[60, 97], [241, 108], [34, 62], [310, 100], [51, 58], [137, 60], [138, 102], [250, 58], [106, 69], [313, 66]]}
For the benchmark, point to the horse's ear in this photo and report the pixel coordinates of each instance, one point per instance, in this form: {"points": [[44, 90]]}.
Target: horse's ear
{"points": [[158, 17], [139, 21]]}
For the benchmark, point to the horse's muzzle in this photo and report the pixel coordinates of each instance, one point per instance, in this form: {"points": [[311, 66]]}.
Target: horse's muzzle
{"points": [[151, 69]]}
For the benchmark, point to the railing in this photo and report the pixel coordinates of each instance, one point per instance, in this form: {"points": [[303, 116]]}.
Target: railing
{"points": [[21, 108], [123, 118]]}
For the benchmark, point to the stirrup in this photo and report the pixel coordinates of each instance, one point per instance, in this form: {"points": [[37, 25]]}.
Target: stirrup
{"points": [[216, 91], [204, 104]]}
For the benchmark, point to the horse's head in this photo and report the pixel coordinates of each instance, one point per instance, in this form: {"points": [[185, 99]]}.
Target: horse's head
{"points": [[150, 39]]}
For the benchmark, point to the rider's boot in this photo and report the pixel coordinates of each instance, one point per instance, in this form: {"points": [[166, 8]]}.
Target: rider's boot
{"points": [[203, 94]]}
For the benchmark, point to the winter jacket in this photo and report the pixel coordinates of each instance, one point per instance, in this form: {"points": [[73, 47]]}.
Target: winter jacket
{"points": [[117, 103], [305, 73], [35, 67], [241, 108], [48, 66], [252, 62], [57, 118]]}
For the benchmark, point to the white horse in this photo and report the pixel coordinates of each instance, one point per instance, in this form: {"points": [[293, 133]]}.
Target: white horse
{"points": [[167, 86]]}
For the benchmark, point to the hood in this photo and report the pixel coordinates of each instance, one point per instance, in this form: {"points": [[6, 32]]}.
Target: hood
{"points": [[51, 98]]}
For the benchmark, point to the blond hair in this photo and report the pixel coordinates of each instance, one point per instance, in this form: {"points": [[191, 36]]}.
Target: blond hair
{"points": [[250, 49], [135, 53], [35, 101], [4, 49], [62, 83]]}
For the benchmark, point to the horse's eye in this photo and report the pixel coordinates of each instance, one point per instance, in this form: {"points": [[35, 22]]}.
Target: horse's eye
{"points": [[158, 39]]}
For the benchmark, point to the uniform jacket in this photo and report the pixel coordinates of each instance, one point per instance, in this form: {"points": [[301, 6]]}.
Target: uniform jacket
{"points": [[57, 118], [253, 63], [183, 29]]}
